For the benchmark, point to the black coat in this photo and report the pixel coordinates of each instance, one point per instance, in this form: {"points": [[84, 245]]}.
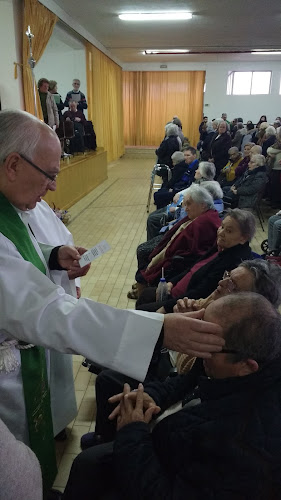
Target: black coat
{"points": [[182, 176], [249, 185], [228, 447], [205, 280], [166, 149], [266, 144], [219, 150], [206, 146]]}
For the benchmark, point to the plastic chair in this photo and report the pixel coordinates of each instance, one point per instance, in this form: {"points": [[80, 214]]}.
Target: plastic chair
{"points": [[161, 170]]}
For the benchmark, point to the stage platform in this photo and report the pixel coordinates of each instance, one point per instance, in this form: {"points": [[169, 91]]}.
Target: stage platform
{"points": [[79, 175]]}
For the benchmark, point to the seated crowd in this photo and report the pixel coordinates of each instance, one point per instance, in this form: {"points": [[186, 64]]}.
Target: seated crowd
{"points": [[201, 429], [195, 428], [74, 130]]}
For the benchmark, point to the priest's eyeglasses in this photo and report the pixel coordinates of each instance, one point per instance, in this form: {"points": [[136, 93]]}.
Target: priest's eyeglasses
{"points": [[52, 178]]}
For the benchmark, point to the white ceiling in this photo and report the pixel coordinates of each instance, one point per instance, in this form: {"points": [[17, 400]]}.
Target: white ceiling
{"points": [[217, 25]]}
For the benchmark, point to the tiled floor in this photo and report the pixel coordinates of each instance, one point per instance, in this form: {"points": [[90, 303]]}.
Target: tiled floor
{"points": [[116, 212]]}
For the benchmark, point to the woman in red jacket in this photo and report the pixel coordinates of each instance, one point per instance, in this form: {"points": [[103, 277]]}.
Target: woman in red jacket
{"points": [[190, 238]]}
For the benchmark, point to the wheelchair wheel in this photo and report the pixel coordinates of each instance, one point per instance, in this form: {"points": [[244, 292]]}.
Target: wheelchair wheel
{"points": [[264, 246]]}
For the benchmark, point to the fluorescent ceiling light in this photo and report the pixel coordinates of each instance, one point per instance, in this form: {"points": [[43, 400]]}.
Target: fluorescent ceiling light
{"points": [[267, 52], [166, 51], [156, 16]]}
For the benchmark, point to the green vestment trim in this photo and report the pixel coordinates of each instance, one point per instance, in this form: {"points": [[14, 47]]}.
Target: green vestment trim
{"points": [[33, 361]]}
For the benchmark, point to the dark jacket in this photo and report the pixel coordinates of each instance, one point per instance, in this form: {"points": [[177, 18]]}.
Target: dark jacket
{"points": [[228, 447], [206, 146], [82, 103], [205, 280], [166, 149], [219, 150], [249, 185], [267, 143], [182, 176], [72, 115]]}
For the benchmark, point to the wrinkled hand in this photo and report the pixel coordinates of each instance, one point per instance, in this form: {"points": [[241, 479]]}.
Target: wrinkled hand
{"points": [[68, 258], [185, 305], [176, 198], [148, 402], [130, 412], [187, 334]]}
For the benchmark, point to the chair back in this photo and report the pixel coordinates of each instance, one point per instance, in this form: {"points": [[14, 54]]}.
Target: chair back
{"points": [[60, 130], [68, 129]]}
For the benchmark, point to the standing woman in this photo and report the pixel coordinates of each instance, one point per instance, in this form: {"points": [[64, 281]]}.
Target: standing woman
{"points": [[169, 145], [274, 158], [53, 89], [220, 145]]}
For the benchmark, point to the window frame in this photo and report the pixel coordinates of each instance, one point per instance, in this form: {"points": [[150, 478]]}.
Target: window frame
{"points": [[230, 82]]}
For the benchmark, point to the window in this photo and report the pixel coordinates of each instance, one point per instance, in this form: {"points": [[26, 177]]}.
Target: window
{"points": [[248, 82]]}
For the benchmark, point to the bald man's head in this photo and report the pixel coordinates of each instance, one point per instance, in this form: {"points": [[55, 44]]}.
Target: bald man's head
{"points": [[251, 329]]}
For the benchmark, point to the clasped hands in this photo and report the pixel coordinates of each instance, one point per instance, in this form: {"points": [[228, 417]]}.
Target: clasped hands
{"points": [[68, 258], [134, 406]]}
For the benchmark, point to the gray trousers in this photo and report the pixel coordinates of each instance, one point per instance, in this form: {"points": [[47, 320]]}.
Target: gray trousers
{"points": [[274, 232], [153, 224]]}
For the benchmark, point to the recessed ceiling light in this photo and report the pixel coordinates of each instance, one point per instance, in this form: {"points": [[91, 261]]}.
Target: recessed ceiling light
{"points": [[156, 16], [166, 51], [267, 52]]}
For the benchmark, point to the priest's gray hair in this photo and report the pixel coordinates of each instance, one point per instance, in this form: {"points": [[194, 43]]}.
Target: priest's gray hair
{"points": [[214, 189], [200, 195], [245, 220], [20, 133], [207, 169]]}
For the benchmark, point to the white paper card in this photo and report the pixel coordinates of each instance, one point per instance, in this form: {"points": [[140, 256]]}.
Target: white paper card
{"points": [[94, 252]]}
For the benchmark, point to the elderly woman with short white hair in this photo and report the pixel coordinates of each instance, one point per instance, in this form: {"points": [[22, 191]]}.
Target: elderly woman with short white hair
{"points": [[169, 145], [189, 238]]}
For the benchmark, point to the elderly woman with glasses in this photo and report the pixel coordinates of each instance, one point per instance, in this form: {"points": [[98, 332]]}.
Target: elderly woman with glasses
{"points": [[232, 246]]}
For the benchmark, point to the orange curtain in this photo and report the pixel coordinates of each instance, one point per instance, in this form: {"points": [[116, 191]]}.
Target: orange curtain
{"points": [[41, 22], [152, 98], [105, 105]]}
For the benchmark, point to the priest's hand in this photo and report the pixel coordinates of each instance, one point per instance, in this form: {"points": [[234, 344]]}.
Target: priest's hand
{"points": [[68, 258], [187, 334], [134, 412]]}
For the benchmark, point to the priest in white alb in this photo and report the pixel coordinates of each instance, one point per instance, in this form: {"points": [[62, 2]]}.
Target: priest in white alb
{"points": [[36, 313]]}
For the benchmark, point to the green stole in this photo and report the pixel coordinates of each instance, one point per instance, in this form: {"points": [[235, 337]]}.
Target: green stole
{"points": [[33, 361]]}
